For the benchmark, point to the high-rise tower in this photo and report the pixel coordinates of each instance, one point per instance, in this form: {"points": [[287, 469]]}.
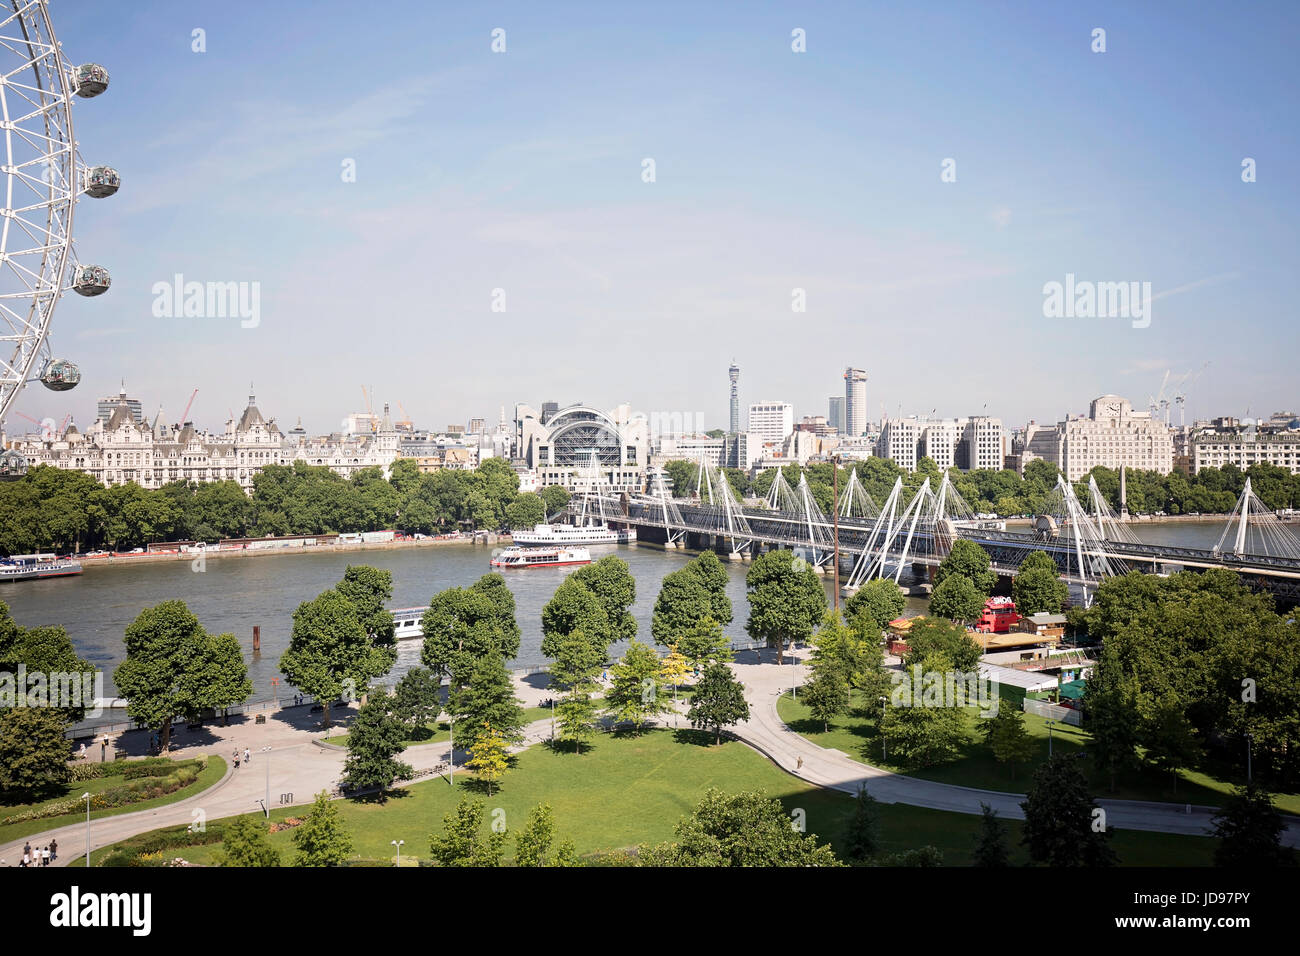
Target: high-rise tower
{"points": [[734, 373], [855, 402]]}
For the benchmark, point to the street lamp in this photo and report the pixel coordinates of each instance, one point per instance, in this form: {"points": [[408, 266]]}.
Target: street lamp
{"points": [[86, 796], [399, 844], [884, 749], [266, 806], [1049, 738], [451, 752], [1249, 741]]}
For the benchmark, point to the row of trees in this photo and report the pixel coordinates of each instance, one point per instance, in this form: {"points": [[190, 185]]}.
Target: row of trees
{"points": [[53, 509], [1006, 492], [1190, 664]]}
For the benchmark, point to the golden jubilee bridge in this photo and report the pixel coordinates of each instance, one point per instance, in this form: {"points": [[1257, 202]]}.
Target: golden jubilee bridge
{"points": [[1084, 537]]}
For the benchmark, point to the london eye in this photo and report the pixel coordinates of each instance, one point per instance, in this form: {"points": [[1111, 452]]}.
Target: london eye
{"points": [[43, 179]]}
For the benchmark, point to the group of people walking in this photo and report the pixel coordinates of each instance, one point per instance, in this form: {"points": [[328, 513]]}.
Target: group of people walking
{"points": [[248, 757], [41, 855]]}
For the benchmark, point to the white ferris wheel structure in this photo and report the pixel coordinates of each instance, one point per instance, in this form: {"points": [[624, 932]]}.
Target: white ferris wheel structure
{"points": [[43, 179]]}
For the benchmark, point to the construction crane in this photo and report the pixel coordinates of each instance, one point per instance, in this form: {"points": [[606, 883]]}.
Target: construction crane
{"points": [[369, 410], [185, 416], [1180, 392], [405, 419], [1158, 401]]}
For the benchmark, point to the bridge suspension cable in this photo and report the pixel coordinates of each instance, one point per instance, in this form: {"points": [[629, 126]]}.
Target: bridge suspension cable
{"points": [[1257, 530]]}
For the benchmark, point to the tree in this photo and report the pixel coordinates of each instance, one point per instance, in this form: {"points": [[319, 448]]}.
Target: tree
{"points": [[33, 752], [375, 738], [956, 599], [636, 690], [464, 625], [527, 510], [613, 585], [220, 679], [45, 651], [1110, 709], [573, 608], [1008, 739], [970, 561], [555, 497], [932, 635], [1038, 587], [991, 846], [330, 651], [682, 604], [487, 701], [827, 694], [704, 642], [171, 668], [786, 600], [879, 601], [718, 701], [369, 590], [534, 840], [673, 670], [1061, 826], [743, 829], [1249, 829], [862, 841], [577, 660], [322, 838], [417, 702], [461, 843], [923, 732], [1169, 737], [244, 843], [488, 756]]}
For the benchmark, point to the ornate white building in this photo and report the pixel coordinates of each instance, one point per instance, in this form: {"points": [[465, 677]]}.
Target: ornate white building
{"points": [[1111, 435], [122, 450]]}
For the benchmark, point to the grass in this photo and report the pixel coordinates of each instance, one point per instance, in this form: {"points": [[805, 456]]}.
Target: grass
{"points": [[626, 790], [857, 737], [213, 771]]}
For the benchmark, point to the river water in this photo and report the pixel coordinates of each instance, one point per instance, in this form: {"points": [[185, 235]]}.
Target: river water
{"points": [[235, 594]]}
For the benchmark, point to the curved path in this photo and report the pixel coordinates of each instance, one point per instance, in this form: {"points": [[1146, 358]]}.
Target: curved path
{"points": [[766, 732], [299, 768]]}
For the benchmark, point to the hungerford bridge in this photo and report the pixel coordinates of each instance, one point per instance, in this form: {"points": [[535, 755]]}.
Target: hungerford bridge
{"points": [[1086, 540]]}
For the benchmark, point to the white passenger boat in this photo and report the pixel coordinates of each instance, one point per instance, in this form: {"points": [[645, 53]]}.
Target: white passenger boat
{"points": [[517, 557], [26, 567], [559, 535]]}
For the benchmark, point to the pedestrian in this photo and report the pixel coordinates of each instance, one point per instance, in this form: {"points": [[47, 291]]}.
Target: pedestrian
{"points": [[54, 849], [45, 856], [27, 858], [236, 755], [248, 757], [799, 765]]}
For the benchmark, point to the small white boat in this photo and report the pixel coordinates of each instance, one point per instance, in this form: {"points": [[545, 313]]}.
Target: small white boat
{"points": [[517, 557], [556, 535]]}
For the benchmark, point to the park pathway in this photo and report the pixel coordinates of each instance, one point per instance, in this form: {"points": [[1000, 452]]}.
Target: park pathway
{"points": [[765, 732]]}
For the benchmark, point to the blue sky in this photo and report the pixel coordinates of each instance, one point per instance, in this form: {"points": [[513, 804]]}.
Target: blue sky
{"points": [[774, 171]]}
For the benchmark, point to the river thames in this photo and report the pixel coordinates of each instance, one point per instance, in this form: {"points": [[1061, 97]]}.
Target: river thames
{"points": [[234, 594]]}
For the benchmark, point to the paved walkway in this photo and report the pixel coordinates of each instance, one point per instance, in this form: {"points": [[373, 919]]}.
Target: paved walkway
{"points": [[765, 731], [297, 766]]}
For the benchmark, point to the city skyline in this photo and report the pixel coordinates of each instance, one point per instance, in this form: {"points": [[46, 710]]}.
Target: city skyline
{"points": [[519, 174]]}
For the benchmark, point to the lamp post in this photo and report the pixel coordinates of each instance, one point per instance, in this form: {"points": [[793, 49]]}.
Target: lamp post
{"points": [[451, 752], [1249, 741], [399, 844], [266, 806], [86, 796], [1049, 738], [884, 749]]}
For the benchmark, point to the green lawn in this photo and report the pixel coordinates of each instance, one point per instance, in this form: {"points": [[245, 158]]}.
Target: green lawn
{"points": [[627, 790], [214, 770], [857, 737]]}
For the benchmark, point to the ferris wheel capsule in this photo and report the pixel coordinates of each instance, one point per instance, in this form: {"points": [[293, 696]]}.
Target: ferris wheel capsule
{"points": [[12, 465], [89, 79], [91, 280], [102, 181], [59, 375]]}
